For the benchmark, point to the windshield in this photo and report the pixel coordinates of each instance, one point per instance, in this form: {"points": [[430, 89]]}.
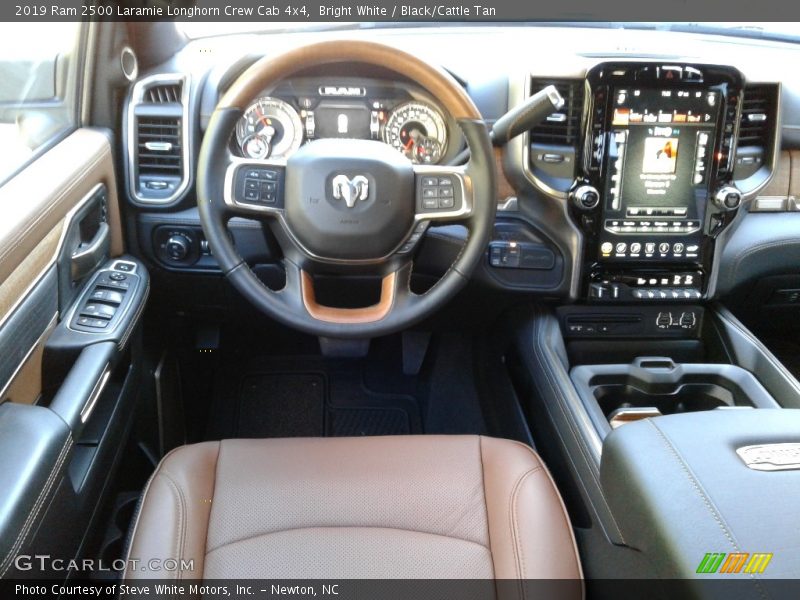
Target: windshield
{"points": [[777, 31]]}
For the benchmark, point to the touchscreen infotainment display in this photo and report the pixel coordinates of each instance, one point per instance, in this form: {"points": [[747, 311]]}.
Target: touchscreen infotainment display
{"points": [[660, 146]]}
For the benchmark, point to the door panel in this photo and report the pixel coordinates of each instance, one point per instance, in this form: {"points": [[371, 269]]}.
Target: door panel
{"points": [[38, 200], [25, 387], [68, 391], [24, 329], [37, 209]]}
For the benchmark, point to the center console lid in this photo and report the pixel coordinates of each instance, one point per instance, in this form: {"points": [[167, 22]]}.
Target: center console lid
{"points": [[680, 488]]}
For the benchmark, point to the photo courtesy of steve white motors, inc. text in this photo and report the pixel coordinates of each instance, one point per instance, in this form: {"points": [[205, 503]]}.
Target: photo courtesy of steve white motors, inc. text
{"points": [[164, 590]]}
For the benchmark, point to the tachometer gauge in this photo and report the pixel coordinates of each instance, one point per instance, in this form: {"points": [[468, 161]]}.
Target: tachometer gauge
{"points": [[417, 130], [269, 128]]}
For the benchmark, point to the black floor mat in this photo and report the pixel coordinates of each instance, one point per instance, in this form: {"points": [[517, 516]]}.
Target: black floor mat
{"points": [[366, 421], [286, 398], [281, 404], [290, 395]]}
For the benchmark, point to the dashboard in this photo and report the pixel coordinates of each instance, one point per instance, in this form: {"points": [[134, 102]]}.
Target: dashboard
{"points": [[629, 194], [303, 110]]}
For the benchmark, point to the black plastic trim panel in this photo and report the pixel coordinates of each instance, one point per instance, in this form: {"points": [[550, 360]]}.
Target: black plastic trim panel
{"points": [[71, 336]]}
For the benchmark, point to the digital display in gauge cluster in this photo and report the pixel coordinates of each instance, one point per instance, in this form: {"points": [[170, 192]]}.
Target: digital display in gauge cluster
{"points": [[275, 128]]}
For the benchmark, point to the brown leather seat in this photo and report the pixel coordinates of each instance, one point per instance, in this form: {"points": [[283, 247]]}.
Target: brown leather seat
{"points": [[372, 507]]}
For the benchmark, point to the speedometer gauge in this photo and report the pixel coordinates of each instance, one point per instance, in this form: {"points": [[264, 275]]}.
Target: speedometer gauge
{"points": [[269, 128], [417, 130]]}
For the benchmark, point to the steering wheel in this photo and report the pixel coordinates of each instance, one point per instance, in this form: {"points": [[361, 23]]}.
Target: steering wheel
{"points": [[345, 207]]}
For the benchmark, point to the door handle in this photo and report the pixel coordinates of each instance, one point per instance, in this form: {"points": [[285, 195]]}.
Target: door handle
{"points": [[89, 255]]}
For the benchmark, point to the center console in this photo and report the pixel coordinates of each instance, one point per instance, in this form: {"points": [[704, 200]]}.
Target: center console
{"points": [[625, 400], [655, 179], [710, 496]]}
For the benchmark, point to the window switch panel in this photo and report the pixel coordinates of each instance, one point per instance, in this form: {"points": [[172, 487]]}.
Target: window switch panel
{"points": [[98, 310], [107, 296]]}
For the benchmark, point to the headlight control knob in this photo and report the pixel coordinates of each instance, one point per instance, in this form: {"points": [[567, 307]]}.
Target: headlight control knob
{"points": [[177, 247]]}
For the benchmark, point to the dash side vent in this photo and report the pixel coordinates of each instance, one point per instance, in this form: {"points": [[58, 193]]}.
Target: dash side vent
{"points": [[562, 127], [159, 165], [758, 115], [163, 94], [159, 146]]}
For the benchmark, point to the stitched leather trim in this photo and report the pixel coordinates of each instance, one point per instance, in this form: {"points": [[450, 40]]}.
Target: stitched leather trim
{"points": [[40, 502], [306, 527], [709, 504], [485, 503]]}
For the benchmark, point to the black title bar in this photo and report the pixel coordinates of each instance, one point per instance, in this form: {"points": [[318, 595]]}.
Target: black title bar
{"points": [[299, 11]]}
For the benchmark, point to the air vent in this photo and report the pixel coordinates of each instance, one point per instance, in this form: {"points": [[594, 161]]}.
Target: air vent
{"points": [[159, 146], [163, 94], [758, 116], [159, 139], [563, 127], [757, 130]]}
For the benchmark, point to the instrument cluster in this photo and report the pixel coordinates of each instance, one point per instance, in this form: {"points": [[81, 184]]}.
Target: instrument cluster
{"points": [[275, 126]]}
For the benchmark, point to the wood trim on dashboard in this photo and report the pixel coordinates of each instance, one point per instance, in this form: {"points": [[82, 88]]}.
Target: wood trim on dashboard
{"points": [[348, 316], [794, 172], [270, 70], [782, 177], [503, 188]]}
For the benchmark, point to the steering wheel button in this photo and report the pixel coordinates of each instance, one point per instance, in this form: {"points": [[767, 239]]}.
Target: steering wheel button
{"points": [[446, 203], [431, 192], [268, 187], [270, 175], [446, 192], [251, 184], [445, 181], [430, 203], [251, 195], [430, 181]]}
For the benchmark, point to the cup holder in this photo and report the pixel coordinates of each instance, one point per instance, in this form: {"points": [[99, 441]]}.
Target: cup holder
{"points": [[614, 395], [112, 548], [687, 398]]}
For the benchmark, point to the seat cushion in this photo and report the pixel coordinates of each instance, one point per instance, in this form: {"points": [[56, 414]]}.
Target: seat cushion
{"points": [[353, 508]]}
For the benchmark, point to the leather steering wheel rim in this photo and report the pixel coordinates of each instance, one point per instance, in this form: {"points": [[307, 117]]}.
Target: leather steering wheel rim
{"points": [[294, 305]]}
